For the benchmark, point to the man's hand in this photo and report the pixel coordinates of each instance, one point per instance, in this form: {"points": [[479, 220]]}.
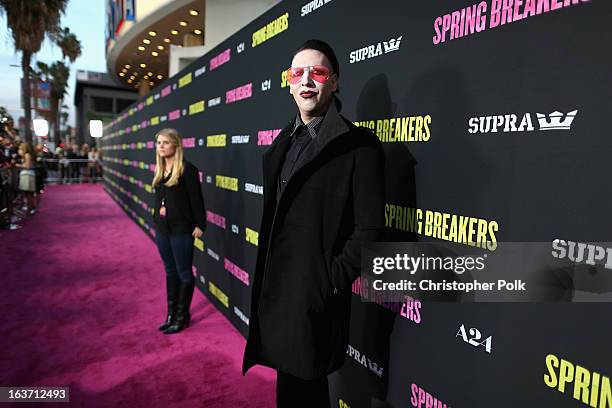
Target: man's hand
{"points": [[197, 233]]}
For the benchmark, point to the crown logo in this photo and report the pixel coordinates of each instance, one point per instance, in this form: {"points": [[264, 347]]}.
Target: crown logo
{"points": [[555, 122], [392, 45]]}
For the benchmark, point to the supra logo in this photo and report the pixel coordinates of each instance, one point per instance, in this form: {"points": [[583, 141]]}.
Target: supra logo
{"points": [[375, 50], [364, 361], [235, 229], [212, 254], [239, 48], [240, 139], [214, 101], [474, 338], [555, 122], [312, 6], [241, 315], [510, 122], [253, 188], [579, 252], [200, 71]]}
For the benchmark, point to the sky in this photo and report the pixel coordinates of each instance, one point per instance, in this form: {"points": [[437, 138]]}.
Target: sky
{"points": [[86, 19]]}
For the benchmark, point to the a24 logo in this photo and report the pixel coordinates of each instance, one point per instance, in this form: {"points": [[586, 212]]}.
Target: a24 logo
{"points": [[475, 338]]}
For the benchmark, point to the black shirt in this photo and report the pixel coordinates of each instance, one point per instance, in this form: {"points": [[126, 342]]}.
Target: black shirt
{"points": [[184, 203], [301, 137]]}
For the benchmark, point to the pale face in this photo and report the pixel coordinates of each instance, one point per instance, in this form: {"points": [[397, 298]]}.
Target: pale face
{"points": [[164, 146], [312, 97]]}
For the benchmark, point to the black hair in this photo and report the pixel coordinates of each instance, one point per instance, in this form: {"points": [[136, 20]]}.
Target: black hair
{"points": [[323, 47], [326, 49]]}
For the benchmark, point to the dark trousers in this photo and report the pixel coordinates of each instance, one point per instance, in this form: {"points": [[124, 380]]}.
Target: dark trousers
{"points": [[293, 392], [176, 251]]}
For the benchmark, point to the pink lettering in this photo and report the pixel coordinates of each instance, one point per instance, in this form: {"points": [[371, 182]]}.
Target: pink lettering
{"points": [[189, 142], [175, 114], [235, 270], [216, 219], [266, 137], [220, 59]]}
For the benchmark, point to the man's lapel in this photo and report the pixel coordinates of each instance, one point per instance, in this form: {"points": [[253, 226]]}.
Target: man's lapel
{"points": [[331, 128]]}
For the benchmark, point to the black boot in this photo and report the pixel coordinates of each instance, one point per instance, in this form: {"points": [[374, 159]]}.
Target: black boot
{"points": [[182, 318], [172, 288]]}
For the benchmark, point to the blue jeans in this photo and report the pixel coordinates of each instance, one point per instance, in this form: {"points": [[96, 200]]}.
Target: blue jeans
{"points": [[176, 251]]}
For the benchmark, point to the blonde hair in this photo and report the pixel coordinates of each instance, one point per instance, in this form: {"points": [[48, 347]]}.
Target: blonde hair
{"points": [[23, 146], [177, 165]]}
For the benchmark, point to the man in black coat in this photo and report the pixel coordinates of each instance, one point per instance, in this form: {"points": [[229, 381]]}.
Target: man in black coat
{"points": [[323, 199]]}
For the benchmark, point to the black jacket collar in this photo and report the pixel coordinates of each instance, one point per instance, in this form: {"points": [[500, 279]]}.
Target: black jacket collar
{"points": [[333, 126]]}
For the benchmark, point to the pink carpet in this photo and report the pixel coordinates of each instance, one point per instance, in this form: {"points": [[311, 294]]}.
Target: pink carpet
{"points": [[82, 294]]}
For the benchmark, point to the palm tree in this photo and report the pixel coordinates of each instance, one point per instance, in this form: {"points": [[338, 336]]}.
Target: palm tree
{"points": [[71, 49], [56, 75], [68, 43], [29, 22]]}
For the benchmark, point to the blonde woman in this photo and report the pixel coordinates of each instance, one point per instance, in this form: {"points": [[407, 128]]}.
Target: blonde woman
{"points": [[27, 176], [179, 218]]}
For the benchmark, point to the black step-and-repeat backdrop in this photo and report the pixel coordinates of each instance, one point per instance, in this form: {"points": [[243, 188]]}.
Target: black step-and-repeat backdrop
{"points": [[494, 116]]}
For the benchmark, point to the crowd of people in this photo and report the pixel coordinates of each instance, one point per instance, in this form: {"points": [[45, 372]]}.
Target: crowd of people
{"points": [[74, 164], [26, 168]]}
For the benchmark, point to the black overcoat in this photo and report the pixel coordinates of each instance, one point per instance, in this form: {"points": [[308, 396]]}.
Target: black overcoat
{"points": [[309, 248]]}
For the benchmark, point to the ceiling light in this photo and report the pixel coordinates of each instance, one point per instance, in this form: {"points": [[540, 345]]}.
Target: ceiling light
{"points": [[151, 83], [149, 73], [135, 73], [143, 65], [198, 32], [152, 33], [167, 40], [146, 77], [173, 32], [128, 66], [183, 23], [155, 53], [146, 41], [141, 48], [160, 47], [122, 74], [160, 76], [193, 12]]}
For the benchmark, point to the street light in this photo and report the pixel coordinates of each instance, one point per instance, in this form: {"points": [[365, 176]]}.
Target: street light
{"points": [[95, 128]]}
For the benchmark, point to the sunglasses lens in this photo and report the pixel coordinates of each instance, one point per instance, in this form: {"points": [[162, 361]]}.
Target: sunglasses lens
{"points": [[294, 75], [320, 73]]}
